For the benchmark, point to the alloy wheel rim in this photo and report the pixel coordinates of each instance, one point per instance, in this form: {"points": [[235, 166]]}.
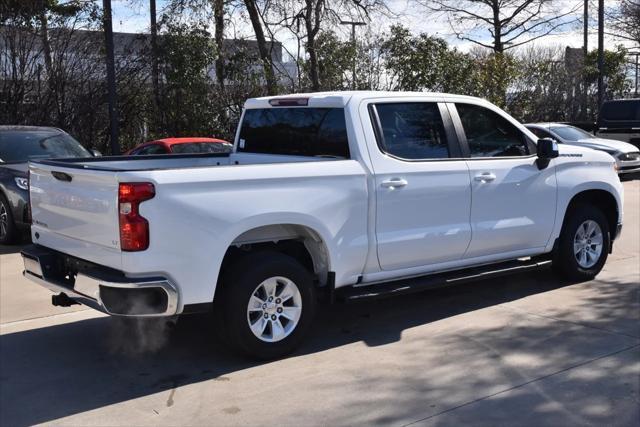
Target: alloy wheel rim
{"points": [[4, 220], [587, 244], [274, 309]]}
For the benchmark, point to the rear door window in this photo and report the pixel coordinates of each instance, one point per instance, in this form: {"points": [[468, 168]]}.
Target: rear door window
{"points": [[412, 130], [301, 131]]}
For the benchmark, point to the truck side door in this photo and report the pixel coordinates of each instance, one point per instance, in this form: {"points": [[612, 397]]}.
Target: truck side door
{"points": [[513, 203], [422, 185]]}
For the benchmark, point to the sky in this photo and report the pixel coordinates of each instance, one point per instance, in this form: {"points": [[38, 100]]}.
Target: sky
{"points": [[132, 16]]}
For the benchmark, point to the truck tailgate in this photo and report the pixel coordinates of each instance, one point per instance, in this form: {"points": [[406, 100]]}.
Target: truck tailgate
{"points": [[73, 203]]}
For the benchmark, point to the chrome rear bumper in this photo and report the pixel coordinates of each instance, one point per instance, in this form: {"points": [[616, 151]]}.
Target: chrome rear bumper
{"points": [[103, 289]]}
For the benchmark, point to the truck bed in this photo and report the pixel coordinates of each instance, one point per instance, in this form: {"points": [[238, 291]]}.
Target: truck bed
{"points": [[173, 161], [202, 203]]}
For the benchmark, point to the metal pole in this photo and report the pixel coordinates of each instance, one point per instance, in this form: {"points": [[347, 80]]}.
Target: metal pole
{"points": [[154, 55], [353, 42], [600, 52], [585, 23], [111, 77], [637, 55], [585, 48]]}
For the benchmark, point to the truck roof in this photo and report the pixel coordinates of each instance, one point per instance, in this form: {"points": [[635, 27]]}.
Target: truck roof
{"points": [[339, 99]]}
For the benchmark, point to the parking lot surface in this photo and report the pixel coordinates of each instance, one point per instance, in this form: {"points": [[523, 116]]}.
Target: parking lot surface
{"points": [[520, 350]]}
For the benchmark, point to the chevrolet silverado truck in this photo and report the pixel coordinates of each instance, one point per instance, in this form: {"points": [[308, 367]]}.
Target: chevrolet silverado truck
{"points": [[342, 196]]}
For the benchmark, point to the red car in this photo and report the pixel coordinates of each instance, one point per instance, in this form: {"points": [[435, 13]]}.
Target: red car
{"points": [[182, 146]]}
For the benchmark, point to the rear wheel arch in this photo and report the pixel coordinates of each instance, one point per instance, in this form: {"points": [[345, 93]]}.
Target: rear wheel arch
{"points": [[300, 242]]}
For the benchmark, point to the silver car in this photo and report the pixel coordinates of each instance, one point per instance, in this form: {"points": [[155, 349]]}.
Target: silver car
{"points": [[626, 155]]}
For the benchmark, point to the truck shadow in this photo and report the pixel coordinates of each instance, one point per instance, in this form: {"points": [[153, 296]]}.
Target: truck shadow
{"points": [[58, 371]]}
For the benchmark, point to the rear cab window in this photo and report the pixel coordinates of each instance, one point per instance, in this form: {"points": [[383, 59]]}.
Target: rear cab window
{"points": [[295, 131]]}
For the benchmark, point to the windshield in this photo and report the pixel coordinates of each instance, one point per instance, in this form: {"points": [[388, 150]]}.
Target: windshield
{"points": [[571, 133], [25, 145]]}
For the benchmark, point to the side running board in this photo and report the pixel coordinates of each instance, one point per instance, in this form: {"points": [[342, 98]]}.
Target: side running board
{"points": [[438, 280]]}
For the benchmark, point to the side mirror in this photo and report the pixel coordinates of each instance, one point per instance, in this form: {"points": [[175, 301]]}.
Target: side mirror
{"points": [[547, 150], [96, 153]]}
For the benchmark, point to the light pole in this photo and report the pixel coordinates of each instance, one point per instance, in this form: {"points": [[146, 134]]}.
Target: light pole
{"points": [[600, 53], [636, 90], [353, 24], [585, 47], [111, 77]]}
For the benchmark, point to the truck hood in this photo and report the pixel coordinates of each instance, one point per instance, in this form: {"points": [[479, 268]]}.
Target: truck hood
{"points": [[606, 145], [581, 154]]}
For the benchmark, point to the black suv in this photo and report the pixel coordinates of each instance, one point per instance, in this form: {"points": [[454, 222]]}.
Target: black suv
{"points": [[620, 119], [18, 145]]}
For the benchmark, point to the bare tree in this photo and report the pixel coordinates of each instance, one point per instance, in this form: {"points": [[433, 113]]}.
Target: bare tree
{"points": [[509, 23], [155, 72], [263, 49], [307, 19], [625, 20], [218, 16]]}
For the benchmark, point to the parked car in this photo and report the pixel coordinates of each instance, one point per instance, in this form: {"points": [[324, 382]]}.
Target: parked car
{"points": [[620, 119], [626, 155], [182, 146], [346, 195], [18, 145]]}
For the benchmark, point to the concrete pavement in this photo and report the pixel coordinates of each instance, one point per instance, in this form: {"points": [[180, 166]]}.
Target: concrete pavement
{"points": [[520, 350]]}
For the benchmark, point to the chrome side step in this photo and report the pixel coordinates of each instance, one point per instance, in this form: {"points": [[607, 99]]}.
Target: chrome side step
{"points": [[438, 280]]}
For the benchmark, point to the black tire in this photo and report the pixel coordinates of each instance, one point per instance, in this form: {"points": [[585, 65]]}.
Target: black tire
{"points": [[7, 223], [565, 261], [240, 281]]}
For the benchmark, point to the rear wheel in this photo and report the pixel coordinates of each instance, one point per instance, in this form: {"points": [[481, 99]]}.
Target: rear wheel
{"points": [[8, 232], [584, 243], [268, 303]]}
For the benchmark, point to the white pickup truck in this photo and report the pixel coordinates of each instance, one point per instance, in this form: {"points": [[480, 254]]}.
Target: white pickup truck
{"points": [[342, 195]]}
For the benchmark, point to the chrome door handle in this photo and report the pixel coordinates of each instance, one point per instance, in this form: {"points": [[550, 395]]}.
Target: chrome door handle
{"points": [[394, 183], [485, 177]]}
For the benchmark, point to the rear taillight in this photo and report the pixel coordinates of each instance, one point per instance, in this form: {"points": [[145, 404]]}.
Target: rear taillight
{"points": [[134, 228]]}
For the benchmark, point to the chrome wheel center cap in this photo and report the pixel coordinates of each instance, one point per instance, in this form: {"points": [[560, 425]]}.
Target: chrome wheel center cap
{"points": [[271, 307]]}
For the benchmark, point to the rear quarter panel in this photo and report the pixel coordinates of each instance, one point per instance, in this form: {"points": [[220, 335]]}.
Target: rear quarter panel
{"points": [[198, 212]]}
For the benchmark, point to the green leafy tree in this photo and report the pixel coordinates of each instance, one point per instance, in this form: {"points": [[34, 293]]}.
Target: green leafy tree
{"points": [[186, 56], [494, 73], [424, 62]]}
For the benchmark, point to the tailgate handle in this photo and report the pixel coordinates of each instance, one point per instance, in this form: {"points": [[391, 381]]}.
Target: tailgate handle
{"points": [[61, 176]]}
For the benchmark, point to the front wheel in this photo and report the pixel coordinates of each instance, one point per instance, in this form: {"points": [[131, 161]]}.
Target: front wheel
{"points": [[584, 243], [268, 303]]}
